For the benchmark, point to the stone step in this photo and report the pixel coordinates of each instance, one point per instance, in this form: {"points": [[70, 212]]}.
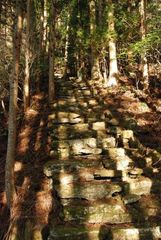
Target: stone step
{"points": [[65, 117], [91, 190], [132, 233], [142, 185], [84, 181], [72, 164], [111, 211], [85, 174], [74, 118], [72, 90], [117, 159], [84, 145], [76, 108], [82, 127], [102, 232], [76, 146], [71, 133], [74, 232], [87, 113]]}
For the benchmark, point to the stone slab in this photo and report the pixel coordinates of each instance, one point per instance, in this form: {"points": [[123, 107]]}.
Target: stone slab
{"points": [[110, 211], [133, 233], [72, 164], [92, 190]]}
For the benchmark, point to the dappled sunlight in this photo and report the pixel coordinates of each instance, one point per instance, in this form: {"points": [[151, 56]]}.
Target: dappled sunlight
{"points": [[39, 136], [24, 135], [18, 166], [31, 113], [43, 207], [102, 173]]}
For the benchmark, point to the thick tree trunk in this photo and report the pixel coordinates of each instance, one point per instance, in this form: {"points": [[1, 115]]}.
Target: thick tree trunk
{"points": [[143, 30], [113, 68], [9, 168], [51, 54]]}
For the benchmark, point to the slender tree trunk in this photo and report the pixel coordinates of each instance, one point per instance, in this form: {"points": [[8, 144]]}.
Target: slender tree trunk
{"points": [[143, 30], [51, 53], [9, 168], [40, 53], [113, 68], [45, 28], [27, 56], [95, 69], [66, 51]]}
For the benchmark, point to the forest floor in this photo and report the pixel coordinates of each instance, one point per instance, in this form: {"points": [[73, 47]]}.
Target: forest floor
{"points": [[34, 195]]}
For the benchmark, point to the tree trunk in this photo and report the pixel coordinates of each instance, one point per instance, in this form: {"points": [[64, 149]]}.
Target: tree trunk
{"points": [[143, 31], [9, 168], [95, 69], [113, 69], [45, 28], [27, 56], [51, 54], [40, 52], [66, 50]]}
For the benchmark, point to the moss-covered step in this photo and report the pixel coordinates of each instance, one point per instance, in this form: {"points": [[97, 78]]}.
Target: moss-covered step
{"points": [[62, 102], [87, 145], [64, 133], [84, 174], [77, 147], [92, 190], [65, 117], [72, 164], [132, 233], [76, 232], [111, 211], [104, 232], [84, 92]]}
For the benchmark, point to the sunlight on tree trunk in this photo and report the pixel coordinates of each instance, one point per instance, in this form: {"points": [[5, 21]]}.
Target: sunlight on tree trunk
{"points": [[143, 31], [11, 147], [95, 71], [66, 49], [45, 28], [51, 53], [113, 69], [27, 56]]}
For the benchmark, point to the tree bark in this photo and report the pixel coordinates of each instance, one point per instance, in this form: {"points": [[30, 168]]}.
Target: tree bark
{"points": [[9, 168], [27, 56], [113, 68], [143, 30], [51, 90], [95, 70]]}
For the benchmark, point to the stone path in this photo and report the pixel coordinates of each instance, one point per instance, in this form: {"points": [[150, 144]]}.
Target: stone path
{"points": [[105, 184]]}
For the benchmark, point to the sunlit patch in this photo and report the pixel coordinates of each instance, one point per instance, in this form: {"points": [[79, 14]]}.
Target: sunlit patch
{"points": [[41, 123], [38, 141], [31, 113], [38, 96], [25, 132], [24, 140], [3, 198], [43, 206], [26, 183], [18, 166]]}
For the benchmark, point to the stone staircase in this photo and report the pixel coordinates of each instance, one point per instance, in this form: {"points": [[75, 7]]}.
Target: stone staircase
{"points": [[104, 184]]}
